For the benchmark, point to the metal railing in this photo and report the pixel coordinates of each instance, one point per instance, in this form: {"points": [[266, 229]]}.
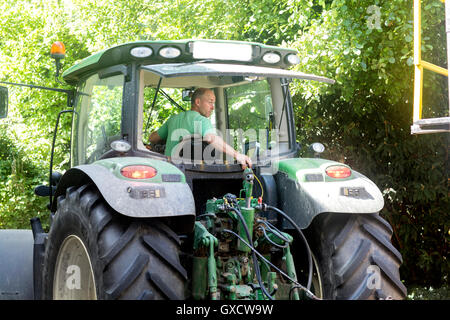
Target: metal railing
{"points": [[431, 125]]}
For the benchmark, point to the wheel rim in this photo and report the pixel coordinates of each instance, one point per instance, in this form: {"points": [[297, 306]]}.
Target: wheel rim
{"points": [[73, 277], [316, 283]]}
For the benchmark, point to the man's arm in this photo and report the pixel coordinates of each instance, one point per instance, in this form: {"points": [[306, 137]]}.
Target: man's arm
{"points": [[155, 138], [218, 143]]}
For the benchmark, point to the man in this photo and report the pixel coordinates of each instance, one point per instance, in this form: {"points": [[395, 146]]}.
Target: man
{"points": [[196, 121]]}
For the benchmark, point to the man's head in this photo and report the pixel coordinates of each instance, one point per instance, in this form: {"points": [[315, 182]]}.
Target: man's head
{"points": [[203, 101]]}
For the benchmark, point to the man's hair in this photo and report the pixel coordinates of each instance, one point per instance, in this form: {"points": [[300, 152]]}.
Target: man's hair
{"points": [[197, 94]]}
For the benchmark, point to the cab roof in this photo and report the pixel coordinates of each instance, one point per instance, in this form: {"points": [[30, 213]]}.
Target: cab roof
{"points": [[223, 51]]}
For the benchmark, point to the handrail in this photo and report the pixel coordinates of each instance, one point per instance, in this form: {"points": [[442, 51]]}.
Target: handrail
{"points": [[420, 65]]}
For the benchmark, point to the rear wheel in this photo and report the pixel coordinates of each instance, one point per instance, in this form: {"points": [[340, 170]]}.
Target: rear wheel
{"points": [[356, 258], [95, 253]]}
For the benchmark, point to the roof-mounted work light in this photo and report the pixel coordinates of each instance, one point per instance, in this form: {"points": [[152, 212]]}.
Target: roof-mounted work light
{"points": [[221, 51]]}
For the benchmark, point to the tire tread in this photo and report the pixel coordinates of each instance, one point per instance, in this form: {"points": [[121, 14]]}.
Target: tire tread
{"points": [[347, 244]]}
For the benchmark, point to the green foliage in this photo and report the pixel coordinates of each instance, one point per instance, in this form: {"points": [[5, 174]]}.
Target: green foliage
{"points": [[249, 106], [363, 119], [17, 201], [162, 110], [424, 293]]}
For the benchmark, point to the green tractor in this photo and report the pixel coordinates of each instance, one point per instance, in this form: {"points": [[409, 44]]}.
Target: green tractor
{"points": [[129, 222]]}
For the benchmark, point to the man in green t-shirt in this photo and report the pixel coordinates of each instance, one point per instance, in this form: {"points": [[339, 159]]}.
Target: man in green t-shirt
{"points": [[195, 121]]}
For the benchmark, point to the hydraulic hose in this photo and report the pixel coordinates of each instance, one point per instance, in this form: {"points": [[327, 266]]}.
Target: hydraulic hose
{"points": [[308, 249], [298, 285], [254, 258]]}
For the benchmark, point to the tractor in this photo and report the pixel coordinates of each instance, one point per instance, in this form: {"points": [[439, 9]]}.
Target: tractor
{"points": [[129, 222]]}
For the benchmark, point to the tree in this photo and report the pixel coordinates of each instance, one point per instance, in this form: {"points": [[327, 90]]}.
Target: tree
{"points": [[365, 118]]}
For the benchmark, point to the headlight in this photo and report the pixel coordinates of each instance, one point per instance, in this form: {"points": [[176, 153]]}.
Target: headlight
{"points": [[169, 52], [120, 146], [293, 59], [317, 147], [141, 52], [271, 57]]}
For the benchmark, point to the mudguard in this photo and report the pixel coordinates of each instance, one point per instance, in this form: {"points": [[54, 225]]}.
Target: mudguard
{"points": [[16, 265], [305, 190], [165, 195]]}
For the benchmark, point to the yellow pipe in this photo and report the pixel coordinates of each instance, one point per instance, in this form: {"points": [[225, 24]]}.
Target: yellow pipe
{"points": [[417, 36], [435, 68], [418, 78], [418, 69], [419, 64]]}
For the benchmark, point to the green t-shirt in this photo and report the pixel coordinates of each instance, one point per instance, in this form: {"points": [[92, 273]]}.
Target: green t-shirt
{"points": [[181, 125]]}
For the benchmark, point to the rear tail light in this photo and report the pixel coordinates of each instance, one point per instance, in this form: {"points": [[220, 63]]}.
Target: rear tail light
{"points": [[338, 172], [138, 172]]}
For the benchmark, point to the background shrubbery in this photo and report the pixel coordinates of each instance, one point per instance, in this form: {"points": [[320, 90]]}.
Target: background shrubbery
{"points": [[363, 120]]}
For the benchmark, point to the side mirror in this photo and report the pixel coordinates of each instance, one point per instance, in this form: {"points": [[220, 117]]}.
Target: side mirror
{"points": [[3, 102], [44, 191], [56, 176]]}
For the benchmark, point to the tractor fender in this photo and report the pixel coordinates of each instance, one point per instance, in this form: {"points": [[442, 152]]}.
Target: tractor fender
{"points": [[305, 191], [166, 195], [16, 265]]}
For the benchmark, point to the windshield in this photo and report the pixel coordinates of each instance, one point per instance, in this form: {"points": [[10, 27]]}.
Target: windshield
{"points": [[250, 115], [248, 112], [97, 118]]}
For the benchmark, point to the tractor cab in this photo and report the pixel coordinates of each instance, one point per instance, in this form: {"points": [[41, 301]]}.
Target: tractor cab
{"points": [[126, 92]]}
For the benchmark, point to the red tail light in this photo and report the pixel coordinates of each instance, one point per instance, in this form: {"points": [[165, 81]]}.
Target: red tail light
{"points": [[338, 172], [138, 172]]}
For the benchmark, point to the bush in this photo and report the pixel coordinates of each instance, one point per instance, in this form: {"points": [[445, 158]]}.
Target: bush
{"points": [[18, 204], [430, 293]]}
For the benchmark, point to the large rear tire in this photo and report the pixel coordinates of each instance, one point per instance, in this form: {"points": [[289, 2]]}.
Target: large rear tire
{"points": [[93, 252], [356, 258]]}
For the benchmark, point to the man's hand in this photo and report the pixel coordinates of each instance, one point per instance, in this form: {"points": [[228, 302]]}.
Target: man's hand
{"points": [[243, 160], [219, 144], [155, 138]]}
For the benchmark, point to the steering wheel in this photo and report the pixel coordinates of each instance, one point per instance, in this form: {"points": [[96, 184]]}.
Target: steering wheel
{"points": [[193, 143], [158, 147]]}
